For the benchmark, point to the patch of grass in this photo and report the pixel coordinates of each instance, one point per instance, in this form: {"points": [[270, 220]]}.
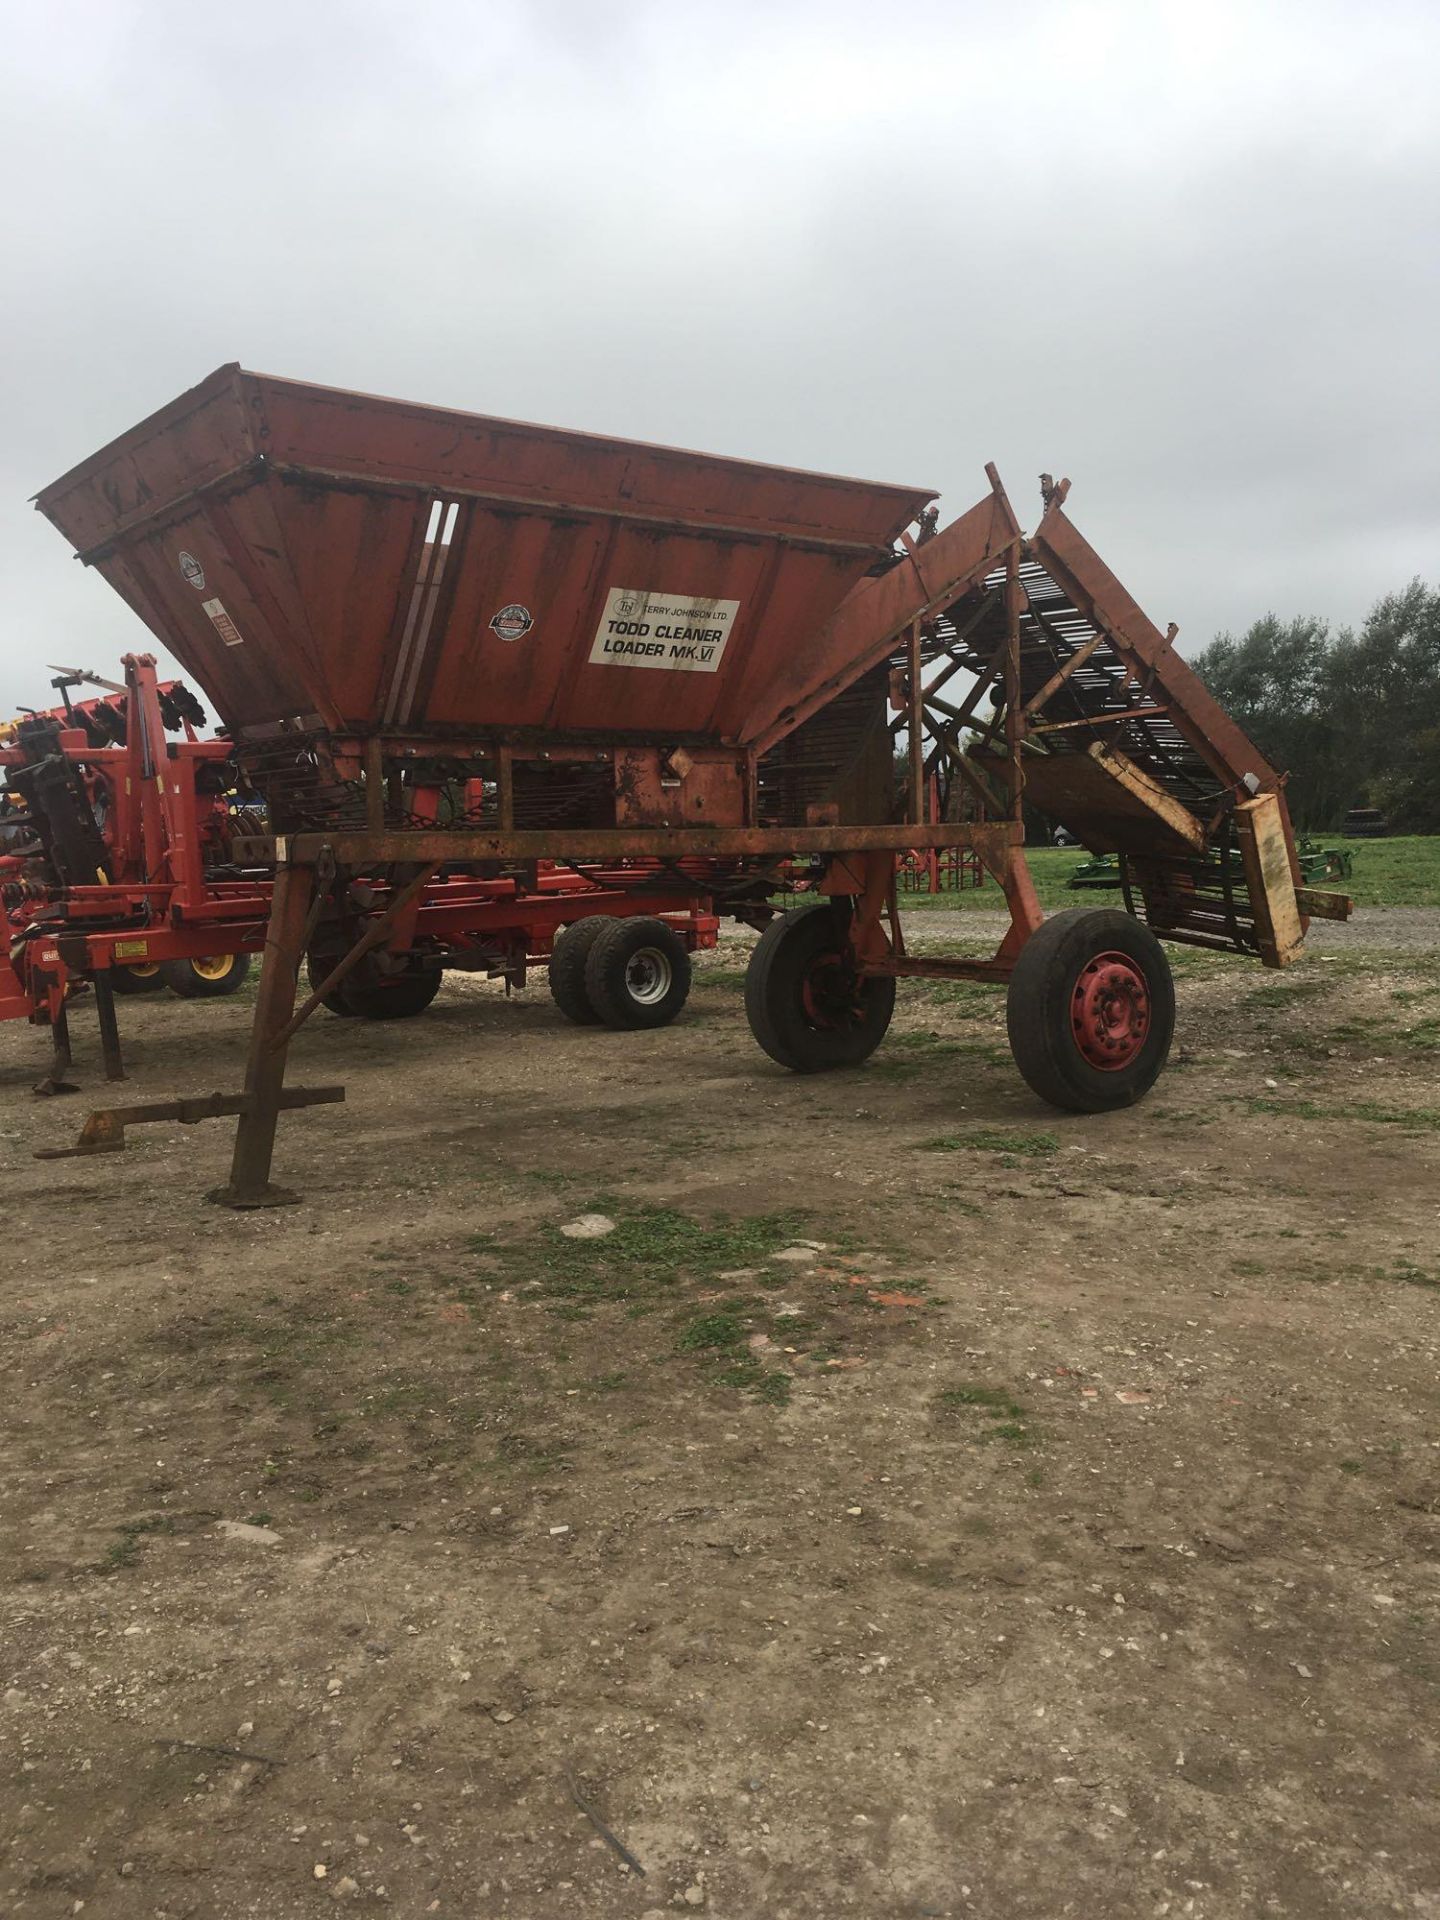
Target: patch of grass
{"points": [[961, 996], [731, 978], [747, 1375], [1412, 1119], [713, 1330], [909, 1054], [1402, 872], [125, 1551], [1375, 1038], [933, 1043], [1285, 993], [1000, 1418], [654, 1262], [992, 1140], [1193, 963], [650, 1253], [718, 1340], [401, 1397], [991, 1397], [263, 1349]]}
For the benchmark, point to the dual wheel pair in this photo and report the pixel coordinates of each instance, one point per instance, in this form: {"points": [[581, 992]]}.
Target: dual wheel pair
{"points": [[1090, 1009], [208, 978], [626, 974], [622, 973]]}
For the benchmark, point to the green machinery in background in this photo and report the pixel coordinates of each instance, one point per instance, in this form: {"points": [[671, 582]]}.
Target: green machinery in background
{"points": [[1101, 872]]}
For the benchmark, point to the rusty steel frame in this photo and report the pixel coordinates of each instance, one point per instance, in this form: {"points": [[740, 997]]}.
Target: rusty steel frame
{"points": [[861, 864], [104, 1128], [617, 843]]}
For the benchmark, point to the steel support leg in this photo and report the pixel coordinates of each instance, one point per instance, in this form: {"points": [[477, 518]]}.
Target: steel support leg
{"points": [[874, 901], [60, 1039], [60, 1061], [109, 1026], [1026, 913], [249, 1183]]}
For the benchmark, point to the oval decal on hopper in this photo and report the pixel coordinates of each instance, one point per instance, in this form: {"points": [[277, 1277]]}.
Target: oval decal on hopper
{"points": [[512, 622]]}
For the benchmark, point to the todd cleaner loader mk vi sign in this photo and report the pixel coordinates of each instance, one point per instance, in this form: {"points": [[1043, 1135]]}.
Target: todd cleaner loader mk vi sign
{"points": [[675, 630]]}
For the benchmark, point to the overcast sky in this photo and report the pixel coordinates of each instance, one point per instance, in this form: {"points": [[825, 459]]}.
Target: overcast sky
{"points": [[1188, 255]]}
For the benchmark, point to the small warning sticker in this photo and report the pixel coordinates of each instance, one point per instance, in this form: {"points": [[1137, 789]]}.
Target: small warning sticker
{"points": [[224, 625], [191, 570], [641, 628], [131, 950], [512, 622]]}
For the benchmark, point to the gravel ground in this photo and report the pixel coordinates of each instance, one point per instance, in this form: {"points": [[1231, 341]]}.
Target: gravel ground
{"points": [[936, 1507]]}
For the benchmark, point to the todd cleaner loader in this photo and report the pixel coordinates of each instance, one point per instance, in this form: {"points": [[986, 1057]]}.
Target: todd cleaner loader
{"points": [[621, 653]]}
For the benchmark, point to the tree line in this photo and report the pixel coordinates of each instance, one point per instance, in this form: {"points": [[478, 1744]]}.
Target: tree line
{"points": [[1353, 716]]}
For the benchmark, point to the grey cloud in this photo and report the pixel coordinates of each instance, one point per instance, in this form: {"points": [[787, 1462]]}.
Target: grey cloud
{"points": [[1189, 257]]}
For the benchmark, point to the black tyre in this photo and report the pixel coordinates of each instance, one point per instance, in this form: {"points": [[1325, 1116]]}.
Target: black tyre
{"points": [[139, 979], [373, 995], [806, 1004], [1091, 1010], [319, 966], [637, 973], [210, 978], [567, 967]]}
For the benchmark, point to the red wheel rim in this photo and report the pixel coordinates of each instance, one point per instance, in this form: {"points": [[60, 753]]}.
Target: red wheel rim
{"points": [[1110, 1011], [828, 995]]}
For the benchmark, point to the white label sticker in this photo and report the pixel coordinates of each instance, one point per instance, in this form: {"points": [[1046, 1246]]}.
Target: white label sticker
{"points": [[675, 630], [224, 625], [191, 570]]}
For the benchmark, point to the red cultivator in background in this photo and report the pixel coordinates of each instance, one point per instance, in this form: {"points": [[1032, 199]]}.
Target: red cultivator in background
{"points": [[936, 869], [116, 856], [132, 861]]}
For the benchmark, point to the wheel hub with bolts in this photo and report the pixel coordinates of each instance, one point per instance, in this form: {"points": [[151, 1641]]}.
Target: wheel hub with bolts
{"points": [[807, 1003], [828, 995], [648, 974], [636, 971], [1110, 1011]]}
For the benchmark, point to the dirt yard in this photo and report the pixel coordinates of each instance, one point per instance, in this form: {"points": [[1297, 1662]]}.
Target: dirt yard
{"points": [[920, 1503]]}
